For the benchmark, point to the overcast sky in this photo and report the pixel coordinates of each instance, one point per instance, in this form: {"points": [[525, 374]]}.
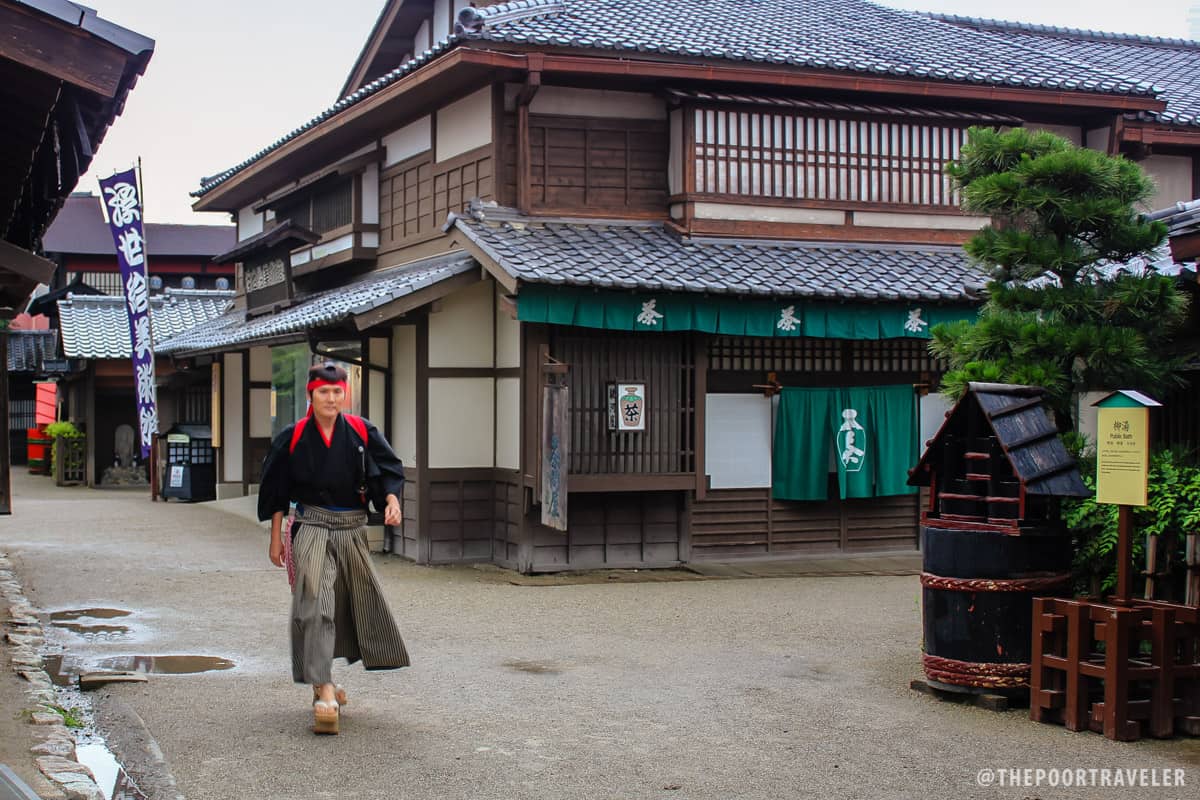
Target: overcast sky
{"points": [[229, 77]]}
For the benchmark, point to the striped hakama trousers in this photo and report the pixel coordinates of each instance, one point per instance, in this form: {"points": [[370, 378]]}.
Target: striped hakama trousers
{"points": [[338, 609]]}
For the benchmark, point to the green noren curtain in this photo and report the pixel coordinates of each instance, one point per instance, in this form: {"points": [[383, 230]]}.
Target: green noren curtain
{"points": [[872, 431], [800, 452], [732, 316]]}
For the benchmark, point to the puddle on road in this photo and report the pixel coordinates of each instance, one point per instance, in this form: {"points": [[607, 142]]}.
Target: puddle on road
{"points": [[94, 613], [110, 776], [82, 622], [65, 669], [536, 667]]}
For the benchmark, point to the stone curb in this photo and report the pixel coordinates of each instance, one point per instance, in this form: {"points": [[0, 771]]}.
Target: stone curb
{"points": [[55, 753]]}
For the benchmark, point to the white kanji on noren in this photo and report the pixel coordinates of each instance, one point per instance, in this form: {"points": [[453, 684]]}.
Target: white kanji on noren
{"points": [[141, 337], [914, 323], [787, 319], [137, 293], [130, 243], [148, 422], [649, 316], [123, 203], [145, 382]]}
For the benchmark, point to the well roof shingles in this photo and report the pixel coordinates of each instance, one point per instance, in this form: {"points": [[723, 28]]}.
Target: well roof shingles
{"points": [[648, 257], [323, 309], [96, 326], [845, 35]]}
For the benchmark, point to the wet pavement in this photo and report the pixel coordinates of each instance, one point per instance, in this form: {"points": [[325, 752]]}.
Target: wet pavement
{"points": [[718, 688]]}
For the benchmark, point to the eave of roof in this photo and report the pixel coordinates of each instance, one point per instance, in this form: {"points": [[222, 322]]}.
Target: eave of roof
{"points": [[645, 256], [321, 310], [524, 11]]}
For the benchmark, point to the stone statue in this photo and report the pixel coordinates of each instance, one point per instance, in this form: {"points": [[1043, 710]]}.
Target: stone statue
{"points": [[123, 446], [125, 471]]}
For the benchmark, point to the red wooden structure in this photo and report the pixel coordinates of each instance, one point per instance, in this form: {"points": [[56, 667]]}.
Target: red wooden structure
{"points": [[1121, 670]]}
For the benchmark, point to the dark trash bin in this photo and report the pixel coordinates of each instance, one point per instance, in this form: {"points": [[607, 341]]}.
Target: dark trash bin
{"points": [[190, 469]]}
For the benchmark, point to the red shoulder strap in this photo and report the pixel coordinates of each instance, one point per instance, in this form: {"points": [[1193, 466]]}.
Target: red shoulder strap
{"points": [[297, 432], [359, 426], [356, 423]]}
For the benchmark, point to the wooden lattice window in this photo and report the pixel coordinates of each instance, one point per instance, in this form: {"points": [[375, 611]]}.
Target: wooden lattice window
{"points": [[810, 355], [775, 355], [325, 209], [791, 155], [894, 355]]}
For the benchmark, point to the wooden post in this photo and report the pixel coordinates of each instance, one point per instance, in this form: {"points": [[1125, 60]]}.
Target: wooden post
{"points": [[1151, 565], [6, 438], [1124, 554], [1192, 598]]}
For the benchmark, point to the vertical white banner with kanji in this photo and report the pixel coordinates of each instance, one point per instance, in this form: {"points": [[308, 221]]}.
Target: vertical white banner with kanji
{"points": [[123, 207]]}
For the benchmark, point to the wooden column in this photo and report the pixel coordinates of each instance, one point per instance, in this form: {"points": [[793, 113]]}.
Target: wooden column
{"points": [[424, 533], [524, 168], [6, 439]]}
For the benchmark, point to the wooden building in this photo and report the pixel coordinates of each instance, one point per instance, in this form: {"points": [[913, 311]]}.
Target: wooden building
{"points": [[673, 213], [64, 77]]}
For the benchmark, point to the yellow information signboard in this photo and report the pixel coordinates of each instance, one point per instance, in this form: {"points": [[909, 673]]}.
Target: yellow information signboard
{"points": [[1122, 455]]}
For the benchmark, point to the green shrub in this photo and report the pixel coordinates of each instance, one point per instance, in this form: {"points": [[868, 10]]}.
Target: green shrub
{"points": [[1172, 512], [61, 430]]}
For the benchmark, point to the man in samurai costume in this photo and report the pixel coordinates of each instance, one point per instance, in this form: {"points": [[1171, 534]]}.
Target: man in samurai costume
{"points": [[330, 464]]}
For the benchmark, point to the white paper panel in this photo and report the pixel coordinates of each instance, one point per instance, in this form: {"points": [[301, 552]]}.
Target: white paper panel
{"points": [[737, 441]]}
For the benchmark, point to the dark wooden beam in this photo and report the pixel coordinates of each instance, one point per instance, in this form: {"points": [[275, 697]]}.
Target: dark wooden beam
{"points": [[64, 51], [5, 439]]}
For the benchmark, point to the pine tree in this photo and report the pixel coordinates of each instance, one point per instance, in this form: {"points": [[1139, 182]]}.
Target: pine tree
{"points": [[1059, 313]]}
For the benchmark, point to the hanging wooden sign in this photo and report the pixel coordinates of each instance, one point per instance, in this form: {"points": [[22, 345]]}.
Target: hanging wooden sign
{"points": [[555, 462]]}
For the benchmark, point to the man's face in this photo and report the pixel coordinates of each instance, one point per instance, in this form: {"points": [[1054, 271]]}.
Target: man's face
{"points": [[327, 400]]}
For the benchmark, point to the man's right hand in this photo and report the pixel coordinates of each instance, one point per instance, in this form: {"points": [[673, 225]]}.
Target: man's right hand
{"points": [[275, 552]]}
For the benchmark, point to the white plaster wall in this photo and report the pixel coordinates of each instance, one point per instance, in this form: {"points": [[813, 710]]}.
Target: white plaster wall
{"points": [[1086, 415], [464, 124], [421, 41], [441, 19], [676, 210], [1072, 133], [370, 195], [377, 351], [377, 412], [569, 101], [404, 393], [231, 411], [334, 246], [508, 423], [260, 413], [1172, 176], [885, 219], [248, 223], [459, 5], [812, 216], [260, 364], [461, 328], [411, 140], [461, 422], [1097, 138], [508, 336], [675, 161]]}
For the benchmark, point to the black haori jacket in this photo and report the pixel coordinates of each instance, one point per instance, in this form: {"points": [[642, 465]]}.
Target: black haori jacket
{"points": [[342, 473]]}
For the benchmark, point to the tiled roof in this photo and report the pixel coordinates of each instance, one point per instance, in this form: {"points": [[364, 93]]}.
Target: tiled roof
{"points": [[1180, 218], [80, 229], [27, 350], [96, 326], [1172, 65], [646, 256], [843, 35], [324, 309]]}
